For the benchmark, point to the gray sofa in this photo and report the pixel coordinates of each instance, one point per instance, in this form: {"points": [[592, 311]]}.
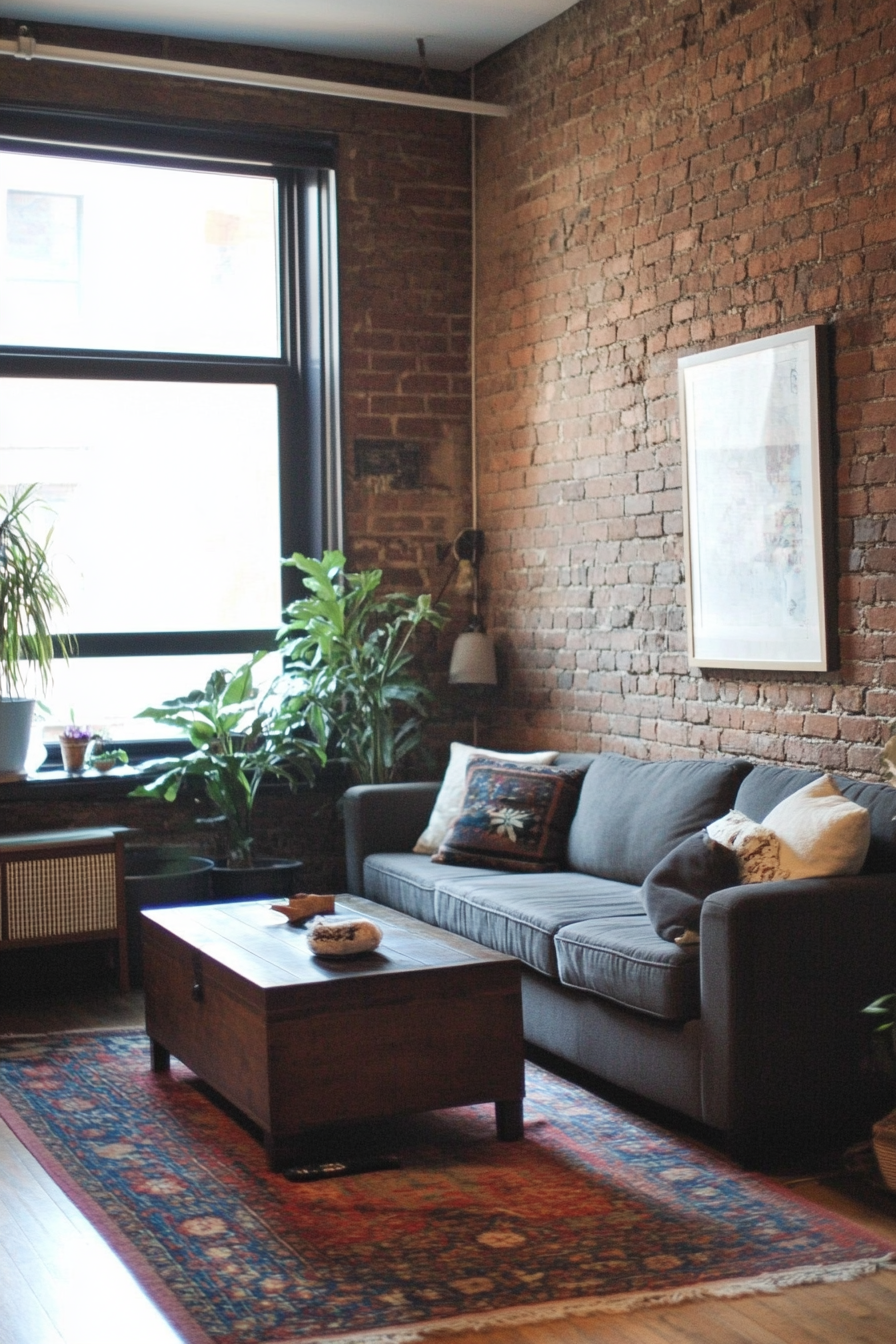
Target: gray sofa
{"points": [[756, 1032]]}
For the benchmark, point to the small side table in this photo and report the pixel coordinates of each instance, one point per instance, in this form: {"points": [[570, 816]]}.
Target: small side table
{"points": [[64, 887]]}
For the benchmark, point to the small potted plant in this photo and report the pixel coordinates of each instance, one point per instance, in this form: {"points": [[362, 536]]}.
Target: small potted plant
{"points": [[104, 758], [30, 598], [74, 742], [232, 754]]}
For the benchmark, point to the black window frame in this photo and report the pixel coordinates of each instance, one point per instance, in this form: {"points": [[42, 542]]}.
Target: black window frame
{"points": [[306, 373]]}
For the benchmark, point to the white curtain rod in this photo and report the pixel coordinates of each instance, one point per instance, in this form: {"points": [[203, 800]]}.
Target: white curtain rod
{"points": [[26, 48]]}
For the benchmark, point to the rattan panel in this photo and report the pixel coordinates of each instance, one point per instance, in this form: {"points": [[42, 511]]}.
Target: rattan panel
{"points": [[47, 897]]}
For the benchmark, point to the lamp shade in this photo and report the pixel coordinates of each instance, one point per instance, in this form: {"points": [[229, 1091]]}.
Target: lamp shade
{"points": [[473, 660]]}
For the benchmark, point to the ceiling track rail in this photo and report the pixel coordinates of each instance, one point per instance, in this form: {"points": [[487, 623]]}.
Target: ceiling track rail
{"points": [[28, 49]]}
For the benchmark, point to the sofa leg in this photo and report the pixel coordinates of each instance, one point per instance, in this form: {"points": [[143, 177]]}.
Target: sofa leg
{"points": [[509, 1120]]}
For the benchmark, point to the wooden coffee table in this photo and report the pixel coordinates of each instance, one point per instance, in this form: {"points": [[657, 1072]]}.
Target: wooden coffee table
{"points": [[294, 1041]]}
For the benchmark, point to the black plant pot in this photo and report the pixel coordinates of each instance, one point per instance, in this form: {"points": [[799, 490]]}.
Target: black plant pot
{"points": [[266, 877], [156, 876]]}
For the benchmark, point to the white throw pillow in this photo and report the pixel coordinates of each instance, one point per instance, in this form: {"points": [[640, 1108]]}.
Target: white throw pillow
{"points": [[757, 849], [450, 797], [822, 834]]}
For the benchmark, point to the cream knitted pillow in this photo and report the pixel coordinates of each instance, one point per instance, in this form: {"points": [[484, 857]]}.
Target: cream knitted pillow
{"points": [[757, 849]]}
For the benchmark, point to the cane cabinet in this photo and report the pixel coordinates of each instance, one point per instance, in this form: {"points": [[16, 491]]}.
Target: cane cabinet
{"points": [[64, 887]]}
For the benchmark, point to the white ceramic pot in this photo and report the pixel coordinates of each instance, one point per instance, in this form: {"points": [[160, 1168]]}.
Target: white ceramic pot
{"points": [[15, 736]]}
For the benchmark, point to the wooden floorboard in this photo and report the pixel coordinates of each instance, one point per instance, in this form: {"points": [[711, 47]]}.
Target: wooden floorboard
{"points": [[61, 1284]]}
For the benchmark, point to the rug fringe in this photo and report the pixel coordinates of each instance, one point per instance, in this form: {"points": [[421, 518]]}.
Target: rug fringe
{"points": [[627, 1302]]}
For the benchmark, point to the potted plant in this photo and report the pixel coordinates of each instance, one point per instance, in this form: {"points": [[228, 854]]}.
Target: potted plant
{"points": [[347, 680], [29, 599], [74, 742], [103, 758], [883, 1010], [883, 1133], [232, 754]]}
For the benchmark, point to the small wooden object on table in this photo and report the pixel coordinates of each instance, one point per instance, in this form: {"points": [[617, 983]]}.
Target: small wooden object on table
{"points": [[428, 1020], [301, 907]]}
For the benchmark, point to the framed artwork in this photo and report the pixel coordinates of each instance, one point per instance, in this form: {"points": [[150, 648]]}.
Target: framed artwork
{"points": [[758, 502]]}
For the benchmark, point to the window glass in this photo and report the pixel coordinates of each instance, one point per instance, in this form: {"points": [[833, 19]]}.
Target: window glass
{"points": [[165, 495], [104, 694], [168, 344], [163, 499], [121, 256]]}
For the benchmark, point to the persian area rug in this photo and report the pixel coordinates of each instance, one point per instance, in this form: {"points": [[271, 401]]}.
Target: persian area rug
{"points": [[593, 1211]]}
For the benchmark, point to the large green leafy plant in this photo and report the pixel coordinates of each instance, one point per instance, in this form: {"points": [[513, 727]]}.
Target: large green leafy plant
{"points": [[236, 743], [30, 597], [348, 680]]}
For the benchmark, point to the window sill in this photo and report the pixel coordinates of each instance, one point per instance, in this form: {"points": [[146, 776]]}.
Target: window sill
{"points": [[50, 784]]}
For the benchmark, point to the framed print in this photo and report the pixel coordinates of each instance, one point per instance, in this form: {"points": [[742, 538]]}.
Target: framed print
{"points": [[758, 503]]}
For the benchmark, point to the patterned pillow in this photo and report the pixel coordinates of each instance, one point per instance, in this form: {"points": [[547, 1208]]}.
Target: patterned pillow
{"points": [[514, 817], [451, 795]]}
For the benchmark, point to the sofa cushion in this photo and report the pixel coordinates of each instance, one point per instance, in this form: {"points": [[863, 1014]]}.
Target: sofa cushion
{"points": [[632, 813], [767, 785], [621, 957], [403, 882], [513, 817], [520, 913], [674, 891]]}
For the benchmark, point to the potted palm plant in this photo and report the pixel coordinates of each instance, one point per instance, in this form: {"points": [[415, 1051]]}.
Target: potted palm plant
{"points": [[30, 598], [348, 681], [225, 723]]}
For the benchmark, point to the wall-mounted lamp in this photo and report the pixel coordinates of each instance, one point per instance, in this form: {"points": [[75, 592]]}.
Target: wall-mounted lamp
{"points": [[473, 660], [473, 656]]}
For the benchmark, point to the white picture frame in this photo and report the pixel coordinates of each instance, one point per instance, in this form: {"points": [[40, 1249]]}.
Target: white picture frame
{"points": [[757, 504]]}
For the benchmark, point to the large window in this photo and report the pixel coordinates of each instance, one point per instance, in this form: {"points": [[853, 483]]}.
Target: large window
{"points": [[168, 377]]}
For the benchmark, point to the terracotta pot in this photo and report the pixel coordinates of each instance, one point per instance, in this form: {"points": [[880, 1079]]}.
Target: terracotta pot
{"points": [[74, 752]]}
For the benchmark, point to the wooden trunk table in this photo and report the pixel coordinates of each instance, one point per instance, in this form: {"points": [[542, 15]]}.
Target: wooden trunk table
{"points": [[296, 1041]]}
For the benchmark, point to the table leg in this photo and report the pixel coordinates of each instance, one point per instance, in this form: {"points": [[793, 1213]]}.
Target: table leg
{"points": [[159, 1057], [509, 1120]]}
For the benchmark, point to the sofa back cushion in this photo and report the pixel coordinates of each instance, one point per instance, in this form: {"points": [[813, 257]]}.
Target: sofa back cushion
{"points": [[632, 813], [768, 785]]}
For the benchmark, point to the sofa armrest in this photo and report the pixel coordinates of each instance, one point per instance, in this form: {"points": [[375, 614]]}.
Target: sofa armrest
{"points": [[383, 819], [785, 970]]}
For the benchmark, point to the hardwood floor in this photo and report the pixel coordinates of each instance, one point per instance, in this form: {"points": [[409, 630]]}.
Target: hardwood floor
{"points": [[61, 1284]]}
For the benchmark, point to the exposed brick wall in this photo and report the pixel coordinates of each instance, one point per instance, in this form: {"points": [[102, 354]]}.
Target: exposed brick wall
{"points": [[306, 824], [405, 275], [675, 177]]}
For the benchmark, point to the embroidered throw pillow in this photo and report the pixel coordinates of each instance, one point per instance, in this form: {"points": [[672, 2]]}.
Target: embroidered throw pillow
{"points": [[822, 834], [756, 848], [514, 817], [451, 795]]}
